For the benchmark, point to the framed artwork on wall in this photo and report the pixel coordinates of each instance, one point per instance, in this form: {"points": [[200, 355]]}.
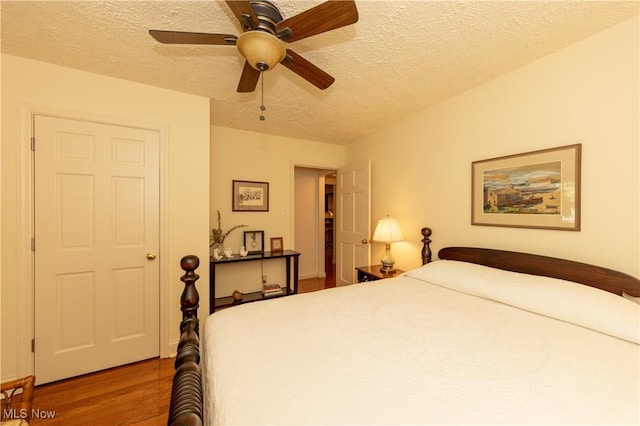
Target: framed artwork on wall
{"points": [[276, 244], [250, 196], [538, 189], [254, 242]]}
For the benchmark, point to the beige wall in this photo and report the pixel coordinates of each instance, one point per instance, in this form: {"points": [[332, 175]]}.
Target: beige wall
{"points": [[242, 155], [183, 121], [587, 93]]}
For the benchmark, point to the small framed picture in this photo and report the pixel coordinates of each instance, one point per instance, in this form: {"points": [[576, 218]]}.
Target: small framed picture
{"points": [[254, 242], [250, 196], [276, 244]]}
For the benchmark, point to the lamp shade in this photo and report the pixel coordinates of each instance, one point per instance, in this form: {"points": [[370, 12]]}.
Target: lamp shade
{"points": [[263, 51], [388, 231]]}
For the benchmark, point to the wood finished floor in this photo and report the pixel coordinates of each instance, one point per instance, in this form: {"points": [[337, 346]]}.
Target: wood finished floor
{"points": [[135, 394], [132, 395]]}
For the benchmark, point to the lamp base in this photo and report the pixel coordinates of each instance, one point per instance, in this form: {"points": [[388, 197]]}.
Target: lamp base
{"points": [[387, 260], [387, 269]]}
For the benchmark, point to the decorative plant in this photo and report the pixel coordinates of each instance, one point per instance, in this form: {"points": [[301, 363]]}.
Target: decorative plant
{"points": [[218, 235]]}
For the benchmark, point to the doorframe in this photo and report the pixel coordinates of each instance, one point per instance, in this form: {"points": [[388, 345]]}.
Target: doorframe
{"points": [[25, 362], [320, 165]]}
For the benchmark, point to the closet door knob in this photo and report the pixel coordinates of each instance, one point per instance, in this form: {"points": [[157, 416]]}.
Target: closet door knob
{"points": [[151, 256]]}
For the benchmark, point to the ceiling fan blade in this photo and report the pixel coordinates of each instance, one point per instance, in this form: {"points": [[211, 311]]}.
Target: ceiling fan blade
{"points": [[248, 79], [307, 70], [244, 12], [179, 37], [319, 19]]}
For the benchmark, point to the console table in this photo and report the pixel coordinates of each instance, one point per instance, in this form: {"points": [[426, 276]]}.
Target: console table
{"points": [[222, 302]]}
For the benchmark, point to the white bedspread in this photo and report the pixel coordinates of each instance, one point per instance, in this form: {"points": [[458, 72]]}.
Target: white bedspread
{"points": [[405, 351]]}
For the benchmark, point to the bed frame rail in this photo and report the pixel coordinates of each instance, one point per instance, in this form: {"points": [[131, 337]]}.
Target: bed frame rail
{"points": [[186, 392]]}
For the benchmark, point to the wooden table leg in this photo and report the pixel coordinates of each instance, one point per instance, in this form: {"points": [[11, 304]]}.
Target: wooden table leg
{"points": [[288, 267], [212, 287], [295, 274]]}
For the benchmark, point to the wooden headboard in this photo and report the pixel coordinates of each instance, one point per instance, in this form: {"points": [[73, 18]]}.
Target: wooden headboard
{"points": [[594, 276]]}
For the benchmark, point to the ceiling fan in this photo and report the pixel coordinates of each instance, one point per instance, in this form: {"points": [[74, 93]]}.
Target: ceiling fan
{"points": [[264, 29]]}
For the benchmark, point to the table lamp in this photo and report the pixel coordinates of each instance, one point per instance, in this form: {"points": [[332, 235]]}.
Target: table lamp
{"points": [[387, 231]]}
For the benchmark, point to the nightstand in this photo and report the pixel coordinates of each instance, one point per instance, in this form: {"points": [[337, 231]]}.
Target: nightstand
{"points": [[373, 273]]}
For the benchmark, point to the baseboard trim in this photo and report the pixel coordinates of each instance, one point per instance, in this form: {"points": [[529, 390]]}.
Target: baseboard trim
{"points": [[310, 276]]}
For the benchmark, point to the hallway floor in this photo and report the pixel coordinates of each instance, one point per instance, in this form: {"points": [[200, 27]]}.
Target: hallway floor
{"points": [[315, 284]]}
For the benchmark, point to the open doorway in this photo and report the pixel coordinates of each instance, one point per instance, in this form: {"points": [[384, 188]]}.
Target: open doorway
{"points": [[314, 233], [329, 229]]}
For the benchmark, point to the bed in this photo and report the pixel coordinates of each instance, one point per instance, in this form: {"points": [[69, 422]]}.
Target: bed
{"points": [[480, 336]]}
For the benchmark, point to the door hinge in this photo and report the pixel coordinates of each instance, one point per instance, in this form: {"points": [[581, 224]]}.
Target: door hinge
{"points": [[33, 143], [33, 244], [33, 345]]}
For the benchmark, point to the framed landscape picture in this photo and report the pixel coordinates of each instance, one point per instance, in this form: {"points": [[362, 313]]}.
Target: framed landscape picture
{"points": [[539, 189], [250, 196]]}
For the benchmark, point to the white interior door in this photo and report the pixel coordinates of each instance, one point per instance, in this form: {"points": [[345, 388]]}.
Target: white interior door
{"points": [[96, 233], [353, 220]]}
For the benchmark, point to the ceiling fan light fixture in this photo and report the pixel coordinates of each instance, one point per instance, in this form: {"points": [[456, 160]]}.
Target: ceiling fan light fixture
{"points": [[262, 50]]}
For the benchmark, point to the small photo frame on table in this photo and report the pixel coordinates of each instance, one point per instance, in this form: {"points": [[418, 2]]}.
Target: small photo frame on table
{"points": [[254, 242], [538, 189], [276, 244], [250, 196]]}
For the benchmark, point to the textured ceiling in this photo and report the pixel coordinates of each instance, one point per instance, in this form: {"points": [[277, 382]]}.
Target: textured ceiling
{"points": [[401, 56]]}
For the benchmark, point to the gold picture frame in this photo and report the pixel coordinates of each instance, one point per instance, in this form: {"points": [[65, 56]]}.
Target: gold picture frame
{"points": [[276, 245], [538, 189]]}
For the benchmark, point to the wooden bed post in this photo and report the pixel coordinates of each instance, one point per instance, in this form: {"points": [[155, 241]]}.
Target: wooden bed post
{"points": [[190, 299], [426, 249], [186, 391]]}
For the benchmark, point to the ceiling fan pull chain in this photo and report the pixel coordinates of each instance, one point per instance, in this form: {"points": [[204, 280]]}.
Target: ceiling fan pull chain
{"points": [[262, 107]]}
